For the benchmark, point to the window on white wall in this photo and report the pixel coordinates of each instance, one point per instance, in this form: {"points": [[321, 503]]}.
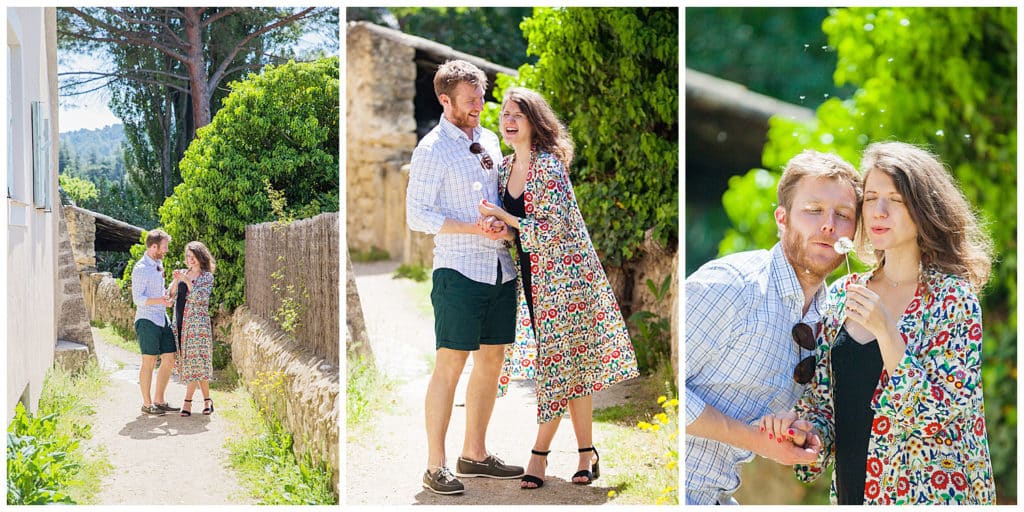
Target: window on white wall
{"points": [[10, 121], [41, 156]]}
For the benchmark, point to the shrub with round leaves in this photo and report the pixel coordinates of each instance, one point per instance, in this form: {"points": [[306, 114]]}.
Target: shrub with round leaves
{"points": [[280, 126]]}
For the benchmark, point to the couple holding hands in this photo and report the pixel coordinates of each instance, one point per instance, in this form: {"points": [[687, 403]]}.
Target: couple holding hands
{"points": [[185, 345], [549, 314], [887, 381]]}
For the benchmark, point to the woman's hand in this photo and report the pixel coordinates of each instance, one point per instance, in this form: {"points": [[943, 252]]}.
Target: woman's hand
{"points": [[787, 427], [488, 209], [492, 228], [865, 307]]}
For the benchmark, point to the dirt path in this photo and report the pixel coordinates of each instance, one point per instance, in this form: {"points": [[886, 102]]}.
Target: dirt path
{"points": [[166, 460], [385, 462]]}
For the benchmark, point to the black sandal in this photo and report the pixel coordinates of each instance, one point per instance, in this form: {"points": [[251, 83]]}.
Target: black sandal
{"points": [[593, 472], [530, 479], [184, 413], [208, 410]]}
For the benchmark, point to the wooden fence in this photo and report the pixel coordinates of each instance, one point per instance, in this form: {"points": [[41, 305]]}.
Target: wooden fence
{"points": [[291, 271]]}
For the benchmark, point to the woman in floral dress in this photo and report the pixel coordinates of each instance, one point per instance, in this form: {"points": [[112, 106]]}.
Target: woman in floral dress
{"points": [[195, 346], [578, 343], [896, 401]]}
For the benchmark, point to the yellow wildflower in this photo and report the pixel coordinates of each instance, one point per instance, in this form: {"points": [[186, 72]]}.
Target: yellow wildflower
{"points": [[655, 427], [611, 494], [643, 425], [662, 418], [661, 399]]}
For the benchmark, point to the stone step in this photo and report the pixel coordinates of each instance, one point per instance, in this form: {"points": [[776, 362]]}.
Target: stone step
{"points": [[72, 356]]}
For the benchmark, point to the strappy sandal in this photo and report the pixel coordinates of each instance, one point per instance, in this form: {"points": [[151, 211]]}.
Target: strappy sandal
{"points": [[184, 413], [592, 473], [208, 410], [530, 479]]}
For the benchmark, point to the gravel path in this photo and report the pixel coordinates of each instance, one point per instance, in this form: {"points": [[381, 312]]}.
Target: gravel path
{"points": [[385, 461], [166, 460]]}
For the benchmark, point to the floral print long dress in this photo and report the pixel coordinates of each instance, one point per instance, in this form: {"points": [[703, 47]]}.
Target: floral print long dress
{"points": [[581, 343], [928, 441], [195, 355]]}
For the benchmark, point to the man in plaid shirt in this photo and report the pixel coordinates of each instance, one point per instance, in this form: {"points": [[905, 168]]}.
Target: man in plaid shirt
{"points": [[474, 281]]}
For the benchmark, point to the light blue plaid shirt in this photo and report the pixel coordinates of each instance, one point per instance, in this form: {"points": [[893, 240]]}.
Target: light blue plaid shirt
{"points": [[446, 180], [148, 283], [740, 356]]}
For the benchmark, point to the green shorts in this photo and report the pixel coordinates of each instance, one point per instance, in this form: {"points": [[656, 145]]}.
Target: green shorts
{"points": [[153, 339], [468, 314]]}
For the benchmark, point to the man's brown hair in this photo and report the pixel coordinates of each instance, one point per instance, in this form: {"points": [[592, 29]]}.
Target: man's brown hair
{"points": [[452, 72]]}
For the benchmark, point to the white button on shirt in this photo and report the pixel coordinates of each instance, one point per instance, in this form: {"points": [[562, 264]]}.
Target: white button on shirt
{"points": [[446, 180], [740, 356]]}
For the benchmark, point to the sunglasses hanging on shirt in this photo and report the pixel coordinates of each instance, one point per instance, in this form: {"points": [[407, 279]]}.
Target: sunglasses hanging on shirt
{"points": [[485, 161]]}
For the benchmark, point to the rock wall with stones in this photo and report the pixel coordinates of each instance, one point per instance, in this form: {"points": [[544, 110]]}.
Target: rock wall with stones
{"points": [[82, 229], [629, 283], [308, 403], [106, 302], [72, 314], [381, 82]]}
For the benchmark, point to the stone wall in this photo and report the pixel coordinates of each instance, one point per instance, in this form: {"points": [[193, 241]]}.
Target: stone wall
{"points": [[106, 302], [381, 82], [82, 229], [308, 405], [72, 314]]}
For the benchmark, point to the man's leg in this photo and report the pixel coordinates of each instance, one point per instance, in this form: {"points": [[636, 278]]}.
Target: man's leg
{"points": [[440, 398], [163, 376], [480, 396], [146, 378]]}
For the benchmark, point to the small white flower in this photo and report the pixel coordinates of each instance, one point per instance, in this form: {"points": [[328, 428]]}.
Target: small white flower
{"points": [[477, 186], [843, 245]]}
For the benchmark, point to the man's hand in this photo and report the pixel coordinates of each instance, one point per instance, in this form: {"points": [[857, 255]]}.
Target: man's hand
{"points": [[492, 228], [783, 451]]}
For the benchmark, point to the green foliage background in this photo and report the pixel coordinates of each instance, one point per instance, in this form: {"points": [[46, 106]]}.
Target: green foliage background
{"points": [[280, 125], [491, 33], [944, 78], [611, 74]]}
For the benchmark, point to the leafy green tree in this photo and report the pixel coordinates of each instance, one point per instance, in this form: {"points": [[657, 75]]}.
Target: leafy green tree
{"points": [[78, 189], [166, 67], [280, 126], [490, 33], [944, 78], [764, 48], [612, 75]]}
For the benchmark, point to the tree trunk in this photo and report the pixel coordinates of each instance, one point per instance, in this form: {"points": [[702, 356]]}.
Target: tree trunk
{"points": [[357, 342], [196, 65]]}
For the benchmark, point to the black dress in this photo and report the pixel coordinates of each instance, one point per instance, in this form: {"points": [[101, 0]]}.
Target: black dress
{"points": [[856, 368], [517, 206], [179, 310]]}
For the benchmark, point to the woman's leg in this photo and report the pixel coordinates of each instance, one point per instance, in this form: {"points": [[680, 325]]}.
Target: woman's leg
{"points": [[204, 385], [537, 465], [190, 389], [582, 412]]}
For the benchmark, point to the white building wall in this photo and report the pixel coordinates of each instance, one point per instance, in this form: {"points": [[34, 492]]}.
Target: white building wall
{"points": [[31, 231]]}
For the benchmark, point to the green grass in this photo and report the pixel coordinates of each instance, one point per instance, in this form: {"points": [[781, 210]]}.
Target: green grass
{"points": [[373, 254], [113, 336], [262, 457], [367, 392], [68, 397], [645, 433], [417, 273]]}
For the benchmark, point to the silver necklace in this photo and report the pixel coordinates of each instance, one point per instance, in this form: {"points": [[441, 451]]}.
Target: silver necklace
{"points": [[894, 283]]}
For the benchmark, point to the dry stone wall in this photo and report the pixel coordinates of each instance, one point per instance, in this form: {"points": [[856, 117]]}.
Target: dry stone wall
{"points": [[381, 135], [308, 405]]}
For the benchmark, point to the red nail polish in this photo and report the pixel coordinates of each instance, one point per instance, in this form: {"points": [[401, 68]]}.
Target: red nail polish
{"points": [[791, 432], [770, 436]]}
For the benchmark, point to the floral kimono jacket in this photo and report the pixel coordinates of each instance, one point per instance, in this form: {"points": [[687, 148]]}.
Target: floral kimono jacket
{"points": [[581, 343], [928, 442]]}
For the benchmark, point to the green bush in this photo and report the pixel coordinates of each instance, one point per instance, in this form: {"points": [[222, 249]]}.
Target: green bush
{"points": [[37, 460], [612, 76], [281, 127], [944, 78]]}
